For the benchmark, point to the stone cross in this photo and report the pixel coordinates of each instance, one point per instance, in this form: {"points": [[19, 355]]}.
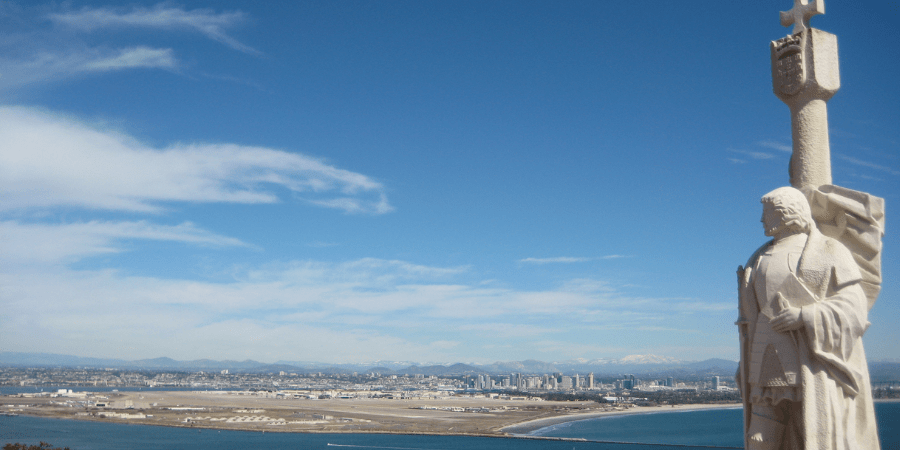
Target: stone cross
{"points": [[800, 14], [805, 76]]}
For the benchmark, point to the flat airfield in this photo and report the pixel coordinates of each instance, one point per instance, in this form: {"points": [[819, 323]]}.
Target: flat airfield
{"points": [[453, 415]]}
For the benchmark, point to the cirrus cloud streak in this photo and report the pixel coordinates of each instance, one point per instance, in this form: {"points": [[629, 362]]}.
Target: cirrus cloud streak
{"points": [[47, 160], [384, 309], [28, 243], [204, 21]]}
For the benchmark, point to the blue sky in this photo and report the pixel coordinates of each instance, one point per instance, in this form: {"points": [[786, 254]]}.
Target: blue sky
{"points": [[427, 181]]}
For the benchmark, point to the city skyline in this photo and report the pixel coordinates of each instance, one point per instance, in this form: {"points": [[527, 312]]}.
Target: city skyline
{"points": [[442, 181]]}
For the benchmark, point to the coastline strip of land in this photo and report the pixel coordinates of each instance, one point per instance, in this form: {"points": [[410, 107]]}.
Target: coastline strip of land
{"points": [[261, 411]]}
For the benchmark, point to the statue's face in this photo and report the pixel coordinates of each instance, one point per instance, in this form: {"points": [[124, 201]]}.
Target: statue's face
{"points": [[772, 219]]}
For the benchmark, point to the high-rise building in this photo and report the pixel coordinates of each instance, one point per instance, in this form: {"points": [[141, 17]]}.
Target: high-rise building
{"points": [[629, 382], [591, 380]]}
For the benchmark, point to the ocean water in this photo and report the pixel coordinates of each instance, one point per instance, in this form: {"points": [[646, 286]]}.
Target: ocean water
{"points": [[720, 427], [693, 430], [715, 427]]}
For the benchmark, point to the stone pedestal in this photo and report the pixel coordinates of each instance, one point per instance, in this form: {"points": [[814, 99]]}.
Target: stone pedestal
{"points": [[804, 76]]}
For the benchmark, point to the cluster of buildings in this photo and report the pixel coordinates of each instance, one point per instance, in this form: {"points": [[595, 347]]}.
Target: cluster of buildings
{"points": [[354, 382], [565, 383], [522, 382]]}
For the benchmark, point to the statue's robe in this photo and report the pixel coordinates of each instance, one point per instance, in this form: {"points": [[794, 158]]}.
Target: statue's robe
{"points": [[836, 400]]}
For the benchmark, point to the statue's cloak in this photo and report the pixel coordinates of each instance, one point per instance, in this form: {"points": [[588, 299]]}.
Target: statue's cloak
{"points": [[837, 409]]}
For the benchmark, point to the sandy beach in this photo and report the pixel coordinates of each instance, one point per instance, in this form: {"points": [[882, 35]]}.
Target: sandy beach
{"points": [[532, 425]]}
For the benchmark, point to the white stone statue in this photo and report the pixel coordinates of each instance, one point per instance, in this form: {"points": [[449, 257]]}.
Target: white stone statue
{"points": [[804, 297], [803, 311]]}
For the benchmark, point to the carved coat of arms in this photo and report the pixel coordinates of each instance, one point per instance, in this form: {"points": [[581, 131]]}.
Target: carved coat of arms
{"points": [[788, 74]]}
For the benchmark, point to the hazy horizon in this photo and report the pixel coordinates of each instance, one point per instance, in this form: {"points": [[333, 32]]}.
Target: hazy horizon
{"points": [[392, 180], [627, 358]]}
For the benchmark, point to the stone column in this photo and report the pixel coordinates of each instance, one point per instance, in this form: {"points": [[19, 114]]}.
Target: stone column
{"points": [[805, 76]]}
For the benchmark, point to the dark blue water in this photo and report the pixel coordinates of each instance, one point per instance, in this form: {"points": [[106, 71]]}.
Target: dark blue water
{"points": [[722, 427], [690, 429], [80, 435]]}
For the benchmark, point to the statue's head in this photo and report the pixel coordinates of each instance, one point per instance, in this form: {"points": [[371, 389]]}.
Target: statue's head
{"points": [[786, 212]]}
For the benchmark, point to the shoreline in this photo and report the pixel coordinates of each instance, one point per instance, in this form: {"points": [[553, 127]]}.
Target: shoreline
{"points": [[515, 419], [475, 416], [520, 430], [524, 429], [514, 431]]}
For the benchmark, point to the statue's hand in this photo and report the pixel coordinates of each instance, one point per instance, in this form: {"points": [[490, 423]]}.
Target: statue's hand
{"points": [[787, 320]]}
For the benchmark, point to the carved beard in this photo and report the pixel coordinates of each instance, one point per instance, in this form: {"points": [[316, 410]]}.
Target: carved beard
{"points": [[786, 228], [775, 230], [776, 217]]}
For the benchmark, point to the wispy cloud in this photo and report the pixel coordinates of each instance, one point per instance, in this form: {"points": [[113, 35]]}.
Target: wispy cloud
{"points": [[586, 286], [134, 57], [320, 244], [776, 146], [45, 66], [757, 155], [509, 329], [27, 243], [388, 308], [568, 259], [870, 165], [558, 259], [35, 53], [49, 161], [203, 21], [751, 154]]}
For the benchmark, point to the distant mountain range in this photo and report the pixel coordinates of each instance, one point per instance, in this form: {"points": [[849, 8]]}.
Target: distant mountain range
{"points": [[634, 364], [637, 364]]}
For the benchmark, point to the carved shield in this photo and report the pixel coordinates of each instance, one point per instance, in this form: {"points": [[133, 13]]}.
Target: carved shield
{"points": [[788, 73]]}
